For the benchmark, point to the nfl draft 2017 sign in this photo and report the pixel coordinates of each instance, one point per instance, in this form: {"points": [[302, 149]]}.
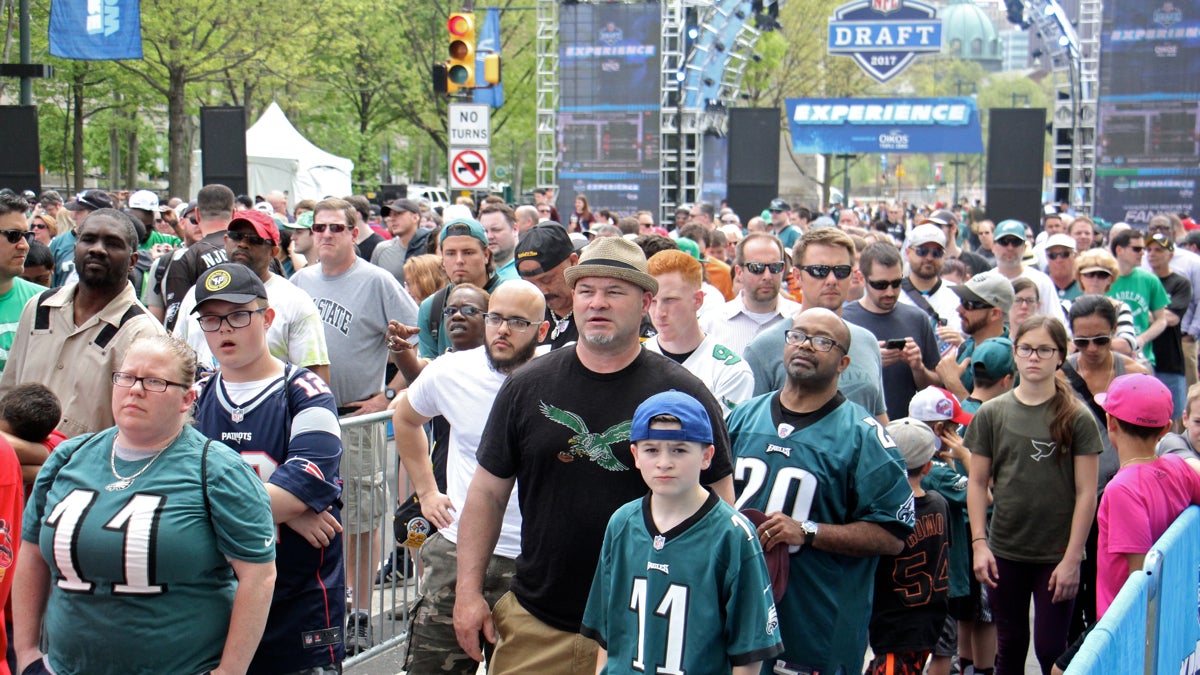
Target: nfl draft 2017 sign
{"points": [[883, 36]]}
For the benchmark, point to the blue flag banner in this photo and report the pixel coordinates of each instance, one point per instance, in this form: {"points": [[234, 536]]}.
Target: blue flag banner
{"points": [[879, 125], [96, 30], [488, 42]]}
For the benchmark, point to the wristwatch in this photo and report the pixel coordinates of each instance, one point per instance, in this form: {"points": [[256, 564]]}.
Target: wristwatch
{"points": [[810, 531], [389, 393]]}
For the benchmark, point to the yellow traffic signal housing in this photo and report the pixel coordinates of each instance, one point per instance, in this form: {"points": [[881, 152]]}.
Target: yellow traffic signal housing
{"points": [[491, 69], [460, 69]]}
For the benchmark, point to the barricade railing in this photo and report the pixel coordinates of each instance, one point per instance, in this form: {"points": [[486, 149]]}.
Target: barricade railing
{"points": [[1153, 625], [386, 598]]}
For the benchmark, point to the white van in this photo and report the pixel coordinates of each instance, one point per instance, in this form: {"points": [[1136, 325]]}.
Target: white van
{"points": [[436, 196]]}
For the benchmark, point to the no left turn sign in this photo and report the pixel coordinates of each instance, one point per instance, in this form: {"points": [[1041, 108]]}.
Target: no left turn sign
{"points": [[469, 168]]}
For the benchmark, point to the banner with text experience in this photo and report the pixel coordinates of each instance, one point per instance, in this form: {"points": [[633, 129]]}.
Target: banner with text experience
{"points": [[862, 126], [96, 30]]}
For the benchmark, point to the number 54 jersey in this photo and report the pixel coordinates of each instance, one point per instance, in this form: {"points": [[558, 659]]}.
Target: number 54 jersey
{"points": [[834, 465]]}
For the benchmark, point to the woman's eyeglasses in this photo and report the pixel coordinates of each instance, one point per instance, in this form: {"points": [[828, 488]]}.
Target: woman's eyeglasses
{"points": [[154, 384]]}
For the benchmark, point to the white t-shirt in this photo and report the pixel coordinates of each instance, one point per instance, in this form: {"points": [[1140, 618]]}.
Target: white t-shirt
{"points": [[944, 301], [296, 336], [723, 371], [461, 387]]}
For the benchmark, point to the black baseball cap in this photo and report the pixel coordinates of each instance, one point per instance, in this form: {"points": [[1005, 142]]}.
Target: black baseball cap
{"points": [[90, 200], [400, 205], [778, 204], [231, 282], [545, 246]]}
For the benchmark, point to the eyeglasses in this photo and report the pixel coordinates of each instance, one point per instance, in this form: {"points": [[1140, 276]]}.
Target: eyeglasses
{"points": [[154, 384], [884, 285], [335, 228], [1025, 301], [1135, 249], [210, 323], [13, 236], [759, 268], [926, 251], [1097, 274], [1025, 351], [975, 305], [1061, 255], [822, 271], [466, 310], [1098, 340], [252, 239], [547, 211], [818, 342], [1010, 242], [515, 324]]}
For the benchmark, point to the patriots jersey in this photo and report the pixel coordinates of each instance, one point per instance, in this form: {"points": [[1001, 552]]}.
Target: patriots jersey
{"points": [[695, 599], [289, 435], [837, 466]]}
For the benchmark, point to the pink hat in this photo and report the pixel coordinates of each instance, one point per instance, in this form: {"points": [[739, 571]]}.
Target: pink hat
{"points": [[1138, 399]]}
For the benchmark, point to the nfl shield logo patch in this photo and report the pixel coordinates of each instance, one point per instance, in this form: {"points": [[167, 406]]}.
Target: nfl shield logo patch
{"points": [[885, 6]]}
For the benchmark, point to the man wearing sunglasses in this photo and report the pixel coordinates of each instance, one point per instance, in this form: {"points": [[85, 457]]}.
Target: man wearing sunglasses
{"points": [[1186, 263], [214, 210], [759, 268], [72, 338], [1138, 288], [355, 300], [984, 303], [1010, 245], [296, 334], [1059, 253], [907, 344], [923, 288], [14, 291]]}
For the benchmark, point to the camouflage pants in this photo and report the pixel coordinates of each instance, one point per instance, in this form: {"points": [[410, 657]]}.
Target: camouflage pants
{"points": [[432, 646]]}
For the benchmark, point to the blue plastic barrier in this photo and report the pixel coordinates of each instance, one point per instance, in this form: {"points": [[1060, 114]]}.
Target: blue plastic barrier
{"points": [[1153, 625]]}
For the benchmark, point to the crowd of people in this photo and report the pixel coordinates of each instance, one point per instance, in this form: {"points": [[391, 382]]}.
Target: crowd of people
{"points": [[804, 443]]}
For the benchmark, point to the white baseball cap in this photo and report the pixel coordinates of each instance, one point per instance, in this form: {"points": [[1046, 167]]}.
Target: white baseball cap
{"points": [[144, 200]]}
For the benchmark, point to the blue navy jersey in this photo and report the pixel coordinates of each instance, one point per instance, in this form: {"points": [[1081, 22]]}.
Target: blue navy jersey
{"points": [[838, 465], [289, 435]]}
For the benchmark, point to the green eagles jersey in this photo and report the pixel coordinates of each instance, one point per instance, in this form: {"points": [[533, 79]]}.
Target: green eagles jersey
{"points": [[140, 581], [693, 600], [839, 466]]}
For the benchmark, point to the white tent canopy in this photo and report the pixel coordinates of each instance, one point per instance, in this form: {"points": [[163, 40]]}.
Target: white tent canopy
{"points": [[279, 158]]}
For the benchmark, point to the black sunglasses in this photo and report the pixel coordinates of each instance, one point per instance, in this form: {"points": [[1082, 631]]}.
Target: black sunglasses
{"points": [[13, 236], [1097, 274], [1010, 242], [1060, 255], [252, 239], [759, 268], [1099, 341], [926, 251], [822, 271], [884, 285], [973, 305]]}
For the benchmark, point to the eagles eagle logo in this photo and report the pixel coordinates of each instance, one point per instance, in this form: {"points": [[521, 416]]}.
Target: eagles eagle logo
{"points": [[587, 445]]}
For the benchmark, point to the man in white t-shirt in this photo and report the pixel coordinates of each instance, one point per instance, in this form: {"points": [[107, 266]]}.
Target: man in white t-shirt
{"points": [[760, 266], [673, 313], [461, 387], [1009, 246], [297, 335]]}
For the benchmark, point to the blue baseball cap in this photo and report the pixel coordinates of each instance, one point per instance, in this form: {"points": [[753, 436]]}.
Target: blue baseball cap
{"points": [[693, 417]]}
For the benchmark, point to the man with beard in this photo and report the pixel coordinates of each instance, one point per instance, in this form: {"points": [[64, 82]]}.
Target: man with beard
{"points": [[63, 246], [458, 386], [296, 335], [923, 287], [983, 310], [572, 459], [760, 267], [71, 339], [834, 489]]}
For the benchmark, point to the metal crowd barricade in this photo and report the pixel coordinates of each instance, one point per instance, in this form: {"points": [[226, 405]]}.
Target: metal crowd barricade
{"points": [[390, 600], [1152, 626]]}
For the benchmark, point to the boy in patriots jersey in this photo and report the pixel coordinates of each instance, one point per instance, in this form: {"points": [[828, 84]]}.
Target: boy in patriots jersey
{"points": [[283, 421], [679, 563]]}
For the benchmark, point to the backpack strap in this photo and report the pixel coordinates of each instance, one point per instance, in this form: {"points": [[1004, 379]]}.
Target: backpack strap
{"points": [[435, 311], [41, 313], [919, 299], [204, 480], [110, 331]]}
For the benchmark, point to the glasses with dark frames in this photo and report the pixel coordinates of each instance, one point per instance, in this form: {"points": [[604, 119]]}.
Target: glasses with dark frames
{"points": [[819, 343], [468, 311], [822, 271], [332, 227], [155, 384], [881, 285]]}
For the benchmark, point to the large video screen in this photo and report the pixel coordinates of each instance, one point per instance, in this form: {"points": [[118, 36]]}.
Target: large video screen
{"points": [[608, 119], [1149, 117]]}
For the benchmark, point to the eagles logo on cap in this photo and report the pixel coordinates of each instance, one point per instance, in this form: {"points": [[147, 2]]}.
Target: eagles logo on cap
{"points": [[217, 280]]}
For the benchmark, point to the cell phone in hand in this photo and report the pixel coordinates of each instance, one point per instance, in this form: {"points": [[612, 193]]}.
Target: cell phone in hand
{"points": [[898, 343]]}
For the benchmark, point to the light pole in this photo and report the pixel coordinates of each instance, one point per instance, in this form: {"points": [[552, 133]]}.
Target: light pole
{"points": [[959, 86]]}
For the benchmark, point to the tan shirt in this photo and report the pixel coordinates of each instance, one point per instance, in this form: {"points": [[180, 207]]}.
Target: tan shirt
{"points": [[66, 358]]}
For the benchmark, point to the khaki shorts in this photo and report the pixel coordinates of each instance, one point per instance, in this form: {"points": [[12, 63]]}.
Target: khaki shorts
{"points": [[364, 494], [526, 645]]}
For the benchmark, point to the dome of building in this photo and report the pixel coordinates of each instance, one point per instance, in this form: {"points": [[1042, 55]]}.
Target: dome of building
{"points": [[968, 33]]}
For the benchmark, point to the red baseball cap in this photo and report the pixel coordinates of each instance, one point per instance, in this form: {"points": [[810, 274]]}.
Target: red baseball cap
{"points": [[264, 225]]}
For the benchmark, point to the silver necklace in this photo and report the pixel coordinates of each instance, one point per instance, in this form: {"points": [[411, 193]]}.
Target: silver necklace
{"points": [[561, 324], [123, 482]]}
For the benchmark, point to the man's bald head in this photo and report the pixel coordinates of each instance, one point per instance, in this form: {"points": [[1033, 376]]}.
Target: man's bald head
{"points": [[823, 322], [519, 293]]}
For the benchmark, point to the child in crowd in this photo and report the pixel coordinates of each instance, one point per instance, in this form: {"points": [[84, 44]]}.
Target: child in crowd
{"points": [[685, 562], [912, 587], [28, 414], [1147, 494], [1185, 444]]}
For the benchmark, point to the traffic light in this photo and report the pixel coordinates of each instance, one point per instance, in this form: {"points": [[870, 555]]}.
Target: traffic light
{"points": [[491, 69], [460, 69]]}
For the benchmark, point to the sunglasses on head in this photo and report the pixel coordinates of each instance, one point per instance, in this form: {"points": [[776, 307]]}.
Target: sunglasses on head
{"points": [[332, 227], [252, 239], [1098, 340], [759, 268], [822, 271], [881, 285], [13, 236]]}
